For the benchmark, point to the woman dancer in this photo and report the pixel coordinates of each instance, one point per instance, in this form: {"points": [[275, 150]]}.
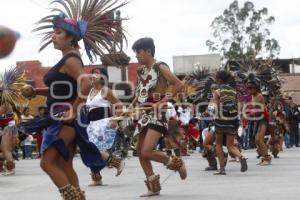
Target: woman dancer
{"points": [[67, 88], [102, 130]]}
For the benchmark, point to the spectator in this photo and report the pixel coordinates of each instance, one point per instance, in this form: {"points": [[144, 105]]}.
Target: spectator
{"points": [[27, 142], [42, 110], [27, 146], [294, 123]]}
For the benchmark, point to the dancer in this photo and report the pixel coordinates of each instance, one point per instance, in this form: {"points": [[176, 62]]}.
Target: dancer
{"points": [[256, 111], [11, 83], [8, 135], [101, 130], [67, 88], [281, 127], [226, 123], [155, 78]]}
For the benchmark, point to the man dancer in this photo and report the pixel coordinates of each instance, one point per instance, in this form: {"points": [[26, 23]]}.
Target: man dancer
{"points": [[226, 122], [256, 111], [154, 79]]}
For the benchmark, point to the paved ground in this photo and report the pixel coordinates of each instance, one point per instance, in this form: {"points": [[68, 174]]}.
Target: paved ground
{"points": [[277, 181]]}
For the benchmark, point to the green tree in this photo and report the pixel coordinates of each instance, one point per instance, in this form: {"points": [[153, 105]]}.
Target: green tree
{"points": [[241, 33]]}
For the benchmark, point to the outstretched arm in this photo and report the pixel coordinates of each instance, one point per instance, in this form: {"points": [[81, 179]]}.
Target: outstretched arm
{"points": [[42, 91]]}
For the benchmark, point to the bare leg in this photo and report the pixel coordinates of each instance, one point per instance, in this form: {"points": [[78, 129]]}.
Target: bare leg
{"points": [[150, 143], [231, 147], [146, 144], [230, 143], [145, 163], [262, 147], [68, 168], [6, 146], [49, 163], [208, 142], [209, 153], [220, 153], [7, 143], [55, 166]]}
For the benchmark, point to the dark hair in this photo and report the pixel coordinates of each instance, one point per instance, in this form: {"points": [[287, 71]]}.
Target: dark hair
{"points": [[103, 72], [145, 44], [193, 121], [224, 76], [74, 41]]}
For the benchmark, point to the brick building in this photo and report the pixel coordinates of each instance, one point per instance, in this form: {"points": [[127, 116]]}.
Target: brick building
{"points": [[35, 72], [119, 79], [291, 86]]}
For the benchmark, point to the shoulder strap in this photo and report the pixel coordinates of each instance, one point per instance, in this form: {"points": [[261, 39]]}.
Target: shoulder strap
{"points": [[157, 64], [72, 54], [157, 70], [90, 93], [65, 57]]}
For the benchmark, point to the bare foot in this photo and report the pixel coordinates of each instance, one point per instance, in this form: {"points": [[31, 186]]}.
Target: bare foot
{"points": [[149, 194]]}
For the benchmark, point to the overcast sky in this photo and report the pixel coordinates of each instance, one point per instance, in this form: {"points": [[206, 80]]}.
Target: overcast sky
{"points": [[178, 27]]}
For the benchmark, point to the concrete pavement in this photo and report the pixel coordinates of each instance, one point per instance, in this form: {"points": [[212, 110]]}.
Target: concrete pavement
{"points": [[278, 181]]}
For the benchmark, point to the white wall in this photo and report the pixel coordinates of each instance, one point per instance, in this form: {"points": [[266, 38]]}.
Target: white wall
{"points": [[186, 64]]}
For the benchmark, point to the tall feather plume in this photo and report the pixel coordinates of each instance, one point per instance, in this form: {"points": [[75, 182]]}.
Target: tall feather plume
{"points": [[198, 86], [12, 80], [103, 31], [263, 72]]}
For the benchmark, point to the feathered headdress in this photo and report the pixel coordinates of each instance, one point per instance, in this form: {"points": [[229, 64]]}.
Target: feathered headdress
{"points": [[93, 21], [262, 74], [198, 86], [11, 83]]}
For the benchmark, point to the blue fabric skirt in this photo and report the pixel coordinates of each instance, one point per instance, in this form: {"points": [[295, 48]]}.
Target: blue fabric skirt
{"points": [[101, 134], [90, 154]]}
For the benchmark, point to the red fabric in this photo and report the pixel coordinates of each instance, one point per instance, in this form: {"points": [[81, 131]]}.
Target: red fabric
{"points": [[39, 139], [155, 100], [265, 113], [5, 121], [193, 132], [244, 123]]}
